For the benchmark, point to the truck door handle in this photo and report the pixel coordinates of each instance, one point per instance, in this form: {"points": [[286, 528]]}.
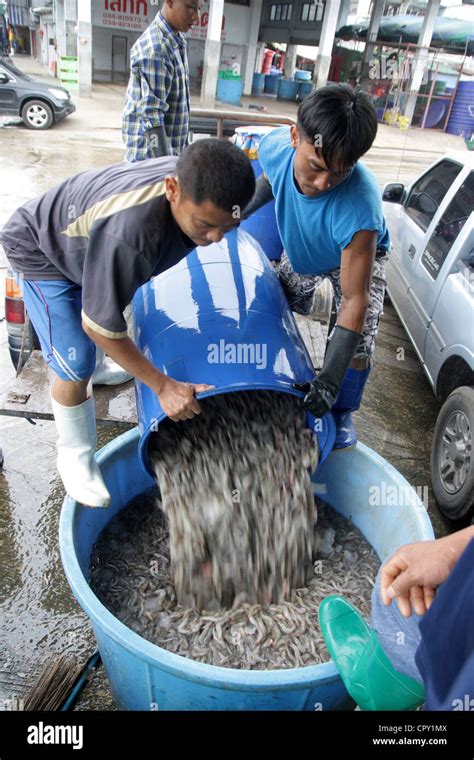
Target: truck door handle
{"points": [[411, 251]]}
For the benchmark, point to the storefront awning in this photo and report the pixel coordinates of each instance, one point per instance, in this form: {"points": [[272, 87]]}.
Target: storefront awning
{"points": [[18, 14], [449, 33]]}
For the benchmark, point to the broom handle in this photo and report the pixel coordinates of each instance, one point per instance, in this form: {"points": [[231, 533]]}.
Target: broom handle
{"points": [[92, 663]]}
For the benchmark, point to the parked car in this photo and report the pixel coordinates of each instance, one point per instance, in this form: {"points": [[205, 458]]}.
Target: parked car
{"points": [[430, 279], [39, 104]]}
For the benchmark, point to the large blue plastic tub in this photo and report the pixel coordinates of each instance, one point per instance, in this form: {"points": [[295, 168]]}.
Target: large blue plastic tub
{"points": [[258, 81], [287, 89], [461, 120], [230, 90], [304, 89], [302, 75], [271, 84], [143, 676]]}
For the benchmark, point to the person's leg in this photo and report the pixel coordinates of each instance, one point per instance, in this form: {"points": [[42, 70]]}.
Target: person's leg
{"points": [[355, 379], [398, 636], [108, 372], [300, 289], [54, 308], [377, 677]]}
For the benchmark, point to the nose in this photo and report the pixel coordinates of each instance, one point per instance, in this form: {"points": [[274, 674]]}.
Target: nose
{"points": [[215, 236], [322, 182], [195, 16]]}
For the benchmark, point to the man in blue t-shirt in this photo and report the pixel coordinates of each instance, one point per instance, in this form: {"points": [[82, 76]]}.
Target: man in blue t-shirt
{"points": [[329, 214]]}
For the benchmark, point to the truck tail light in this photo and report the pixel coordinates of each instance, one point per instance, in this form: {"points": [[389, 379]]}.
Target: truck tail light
{"points": [[12, 288], [15, 310]]}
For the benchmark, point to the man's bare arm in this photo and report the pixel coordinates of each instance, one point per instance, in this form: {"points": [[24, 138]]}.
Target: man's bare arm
{"points": [[356, 271], [177, 399]]}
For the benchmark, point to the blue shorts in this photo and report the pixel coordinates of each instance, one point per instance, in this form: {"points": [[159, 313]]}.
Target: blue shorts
{"points": [[54, 308]]}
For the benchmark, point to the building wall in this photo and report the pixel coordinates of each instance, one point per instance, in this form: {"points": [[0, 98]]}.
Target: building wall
{"points": [[230, 54], [108, 22], [102, 54], [302, 28]]}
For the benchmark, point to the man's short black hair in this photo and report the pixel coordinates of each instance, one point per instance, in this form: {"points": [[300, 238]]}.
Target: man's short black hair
{"points": [[340, 121], [217, 171]]}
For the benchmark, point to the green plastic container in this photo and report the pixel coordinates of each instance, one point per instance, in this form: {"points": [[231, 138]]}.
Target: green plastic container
{"points": [[223, 74], [68, 73]]}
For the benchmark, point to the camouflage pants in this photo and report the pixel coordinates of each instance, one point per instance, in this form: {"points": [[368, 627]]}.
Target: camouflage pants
{"points": [[300, 291]]}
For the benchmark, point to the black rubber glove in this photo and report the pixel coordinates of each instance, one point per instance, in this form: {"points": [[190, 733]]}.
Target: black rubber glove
{"points": [[158, 142], [321, 393], [263, 195]]}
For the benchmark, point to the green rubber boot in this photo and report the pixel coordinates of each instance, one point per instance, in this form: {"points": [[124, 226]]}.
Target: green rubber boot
{"points": [[365, 669]]}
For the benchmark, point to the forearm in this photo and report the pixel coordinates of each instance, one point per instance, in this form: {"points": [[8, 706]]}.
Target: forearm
{"points": [[424, 564], [456, 543], [127, 355], [353, 312]]}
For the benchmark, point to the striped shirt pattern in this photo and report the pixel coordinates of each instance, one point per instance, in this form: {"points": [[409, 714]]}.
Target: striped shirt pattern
{"points": [[158, 90]]}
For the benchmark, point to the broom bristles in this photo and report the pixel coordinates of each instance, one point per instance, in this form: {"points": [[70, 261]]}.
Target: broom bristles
{"points": [[52, 686]]}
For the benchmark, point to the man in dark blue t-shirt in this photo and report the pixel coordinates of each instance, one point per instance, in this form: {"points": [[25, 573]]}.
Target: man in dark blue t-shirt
{"points": [[329, 213]]}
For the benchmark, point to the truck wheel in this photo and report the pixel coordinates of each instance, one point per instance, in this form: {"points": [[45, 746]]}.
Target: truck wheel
{"points": [[37, 115], [452, 466]]}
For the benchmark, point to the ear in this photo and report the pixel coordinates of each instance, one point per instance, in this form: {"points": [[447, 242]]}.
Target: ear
{"points": [[172, 191], [294, 136]]}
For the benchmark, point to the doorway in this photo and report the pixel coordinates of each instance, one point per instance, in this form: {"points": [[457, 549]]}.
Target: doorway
{"points": [[119, 58]]}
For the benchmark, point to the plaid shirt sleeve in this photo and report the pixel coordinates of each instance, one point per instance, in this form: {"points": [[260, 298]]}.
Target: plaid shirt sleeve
{"points": [[154, 80]]}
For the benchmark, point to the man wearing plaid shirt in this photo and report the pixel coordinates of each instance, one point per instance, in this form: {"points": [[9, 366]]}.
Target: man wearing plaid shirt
{"points": [[156, 114]]}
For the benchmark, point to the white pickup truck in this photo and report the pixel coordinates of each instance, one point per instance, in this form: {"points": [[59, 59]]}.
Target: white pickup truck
{"points": [[430, 279]]}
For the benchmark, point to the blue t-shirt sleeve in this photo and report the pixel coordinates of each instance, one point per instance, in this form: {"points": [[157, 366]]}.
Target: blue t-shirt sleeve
{"points": [[361, 210]]}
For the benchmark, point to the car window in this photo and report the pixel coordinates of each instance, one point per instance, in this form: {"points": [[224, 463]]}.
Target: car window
{"points": [[12, 70], [8, 73], [427, 194], [449, 227]]}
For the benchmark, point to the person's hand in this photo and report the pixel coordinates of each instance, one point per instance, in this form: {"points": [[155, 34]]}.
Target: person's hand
{"points": [[178, 400], [322, 391], [413, 573], [319, 396]]}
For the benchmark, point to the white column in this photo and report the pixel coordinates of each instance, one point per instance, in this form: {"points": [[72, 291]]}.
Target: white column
{"points": [[328, 33], [60, 28], [424, 41], [372, 34], [343, 13], [84, 47], [212, 54], [70, 23], [252, 47], [290, 61]]}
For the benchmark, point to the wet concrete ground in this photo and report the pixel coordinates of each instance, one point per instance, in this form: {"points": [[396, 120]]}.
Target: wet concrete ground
{"points": [[38, 613]]}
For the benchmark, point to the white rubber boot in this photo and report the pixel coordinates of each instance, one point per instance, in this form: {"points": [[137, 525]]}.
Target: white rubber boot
{"points": [[108, 372], [76, 448]]}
